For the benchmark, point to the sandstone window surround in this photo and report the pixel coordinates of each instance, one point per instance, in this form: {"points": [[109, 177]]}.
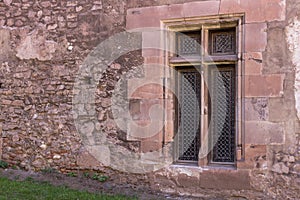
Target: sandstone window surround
{"points": [[221, 39], [205, 29]]}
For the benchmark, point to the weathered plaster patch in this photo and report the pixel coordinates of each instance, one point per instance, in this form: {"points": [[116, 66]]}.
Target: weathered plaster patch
{"points": [[35, 46], [5, 49], [293, 40]]}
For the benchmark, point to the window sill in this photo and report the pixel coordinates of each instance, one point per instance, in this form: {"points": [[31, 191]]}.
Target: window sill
{"points": [[220, 58], [185, 59], [203, 168]]}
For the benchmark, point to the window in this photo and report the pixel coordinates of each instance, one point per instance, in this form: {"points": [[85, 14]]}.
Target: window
{"points": [[208, 90]]}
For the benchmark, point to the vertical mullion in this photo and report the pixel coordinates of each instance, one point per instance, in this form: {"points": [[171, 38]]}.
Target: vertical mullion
{"points": [[204, 99]]}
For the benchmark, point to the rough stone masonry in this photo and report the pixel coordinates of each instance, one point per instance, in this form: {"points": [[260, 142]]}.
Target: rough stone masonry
{"points": [[44, 43]]}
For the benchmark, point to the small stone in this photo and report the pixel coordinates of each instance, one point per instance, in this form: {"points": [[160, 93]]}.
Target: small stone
{"points": [[71, 3], [28, 107], [61, 87], [291, 159], [60, 18], [56, 157], [19, 23], [17, 13], [43, 146], [71, 16], [97, 7], [296, 168], [70, 47], [72, 24], [60, 126], [45, 4], [47, 19], [52, 26], [50, 88], [116, 66], [280, 168], [105, 103], [6, 102], [101, 116], [10, 22], [39, 13], [15, 138], [78, 9], [31, 14], [2, 22], [37, 163], [17, 103], [23, 164], [61, 24]]}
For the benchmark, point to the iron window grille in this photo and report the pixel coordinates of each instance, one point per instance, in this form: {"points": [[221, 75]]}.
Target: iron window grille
{"points": [[188, 117], [217, 45], [222, 42], [222, 104], [188, 43]]}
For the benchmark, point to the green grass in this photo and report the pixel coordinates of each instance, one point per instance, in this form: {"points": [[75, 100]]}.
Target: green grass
{"points": [[3, 164], [30, 189]]}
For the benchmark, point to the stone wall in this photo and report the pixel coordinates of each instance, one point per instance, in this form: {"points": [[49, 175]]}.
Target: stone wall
{"points": [[44, 43]]}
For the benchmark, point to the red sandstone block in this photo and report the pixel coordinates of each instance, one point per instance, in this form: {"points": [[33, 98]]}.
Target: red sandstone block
{"points": [[148, 91], [153, 143], [255, 11], [253, 67], [151, 43], [171, 11], [255, 37], [139, 18], [151, 108], [150, 52], [151, 16], [201, 8], [253, 63], [264, 86], [153, 60], [261, 132], [144, 129], [225, 179], [154, 67], [143, 88]]}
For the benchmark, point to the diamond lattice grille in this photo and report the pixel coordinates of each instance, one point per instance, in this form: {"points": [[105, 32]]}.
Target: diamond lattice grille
{"points": [[223, 115], [189, 115], [189, 44], [223, 42]]}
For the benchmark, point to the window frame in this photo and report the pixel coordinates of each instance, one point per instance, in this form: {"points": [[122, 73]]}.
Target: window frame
{"points": [[206, 25]]}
